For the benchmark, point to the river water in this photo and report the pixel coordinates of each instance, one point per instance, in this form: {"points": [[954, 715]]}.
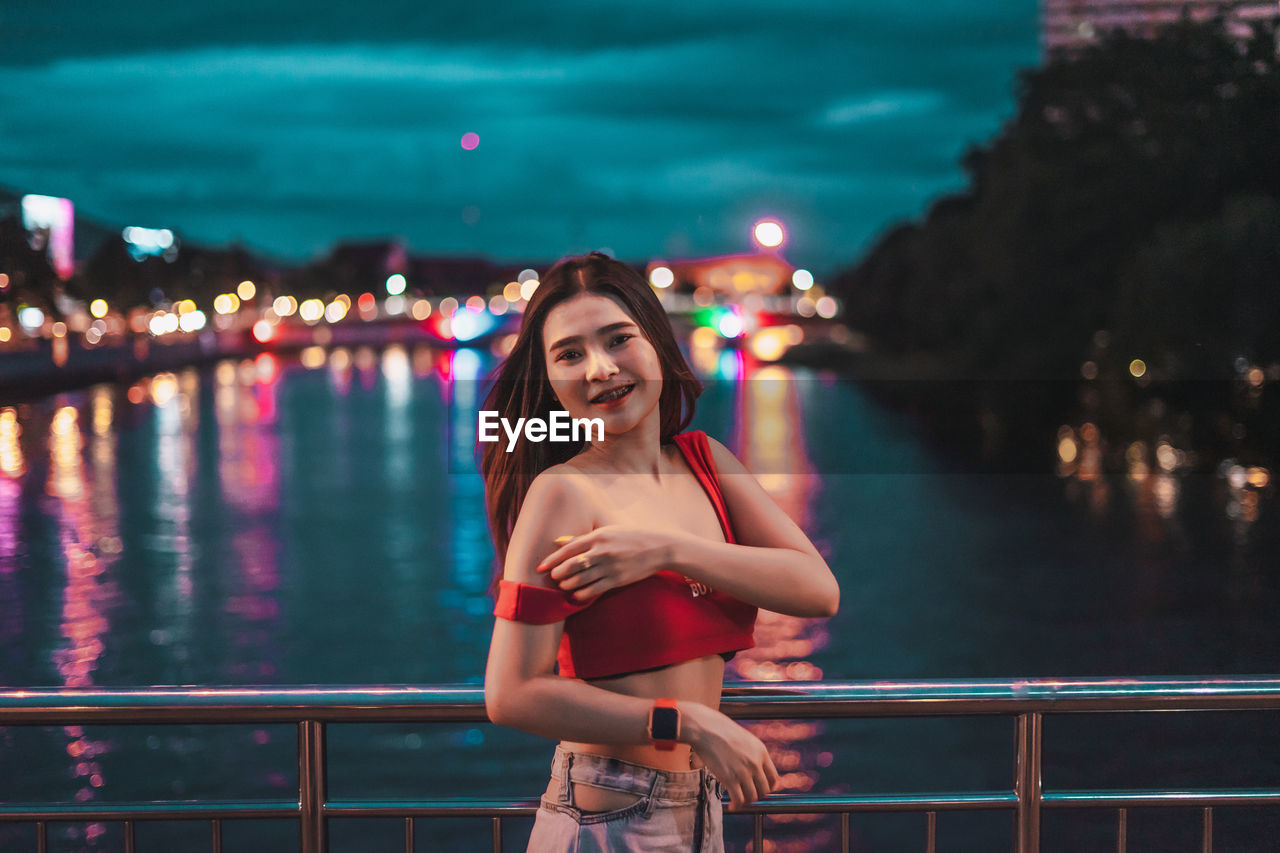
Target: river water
{"points": [[320, 521]]}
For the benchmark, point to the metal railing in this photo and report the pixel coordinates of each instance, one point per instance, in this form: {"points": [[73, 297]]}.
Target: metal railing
{"points": [[313, 709]]}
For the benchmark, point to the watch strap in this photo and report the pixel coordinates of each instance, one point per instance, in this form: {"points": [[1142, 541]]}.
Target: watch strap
{"points": [[664, 724]]}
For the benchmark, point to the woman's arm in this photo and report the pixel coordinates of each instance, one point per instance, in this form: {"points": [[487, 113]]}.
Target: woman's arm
{"points": [[774, 565], [521, 691]]}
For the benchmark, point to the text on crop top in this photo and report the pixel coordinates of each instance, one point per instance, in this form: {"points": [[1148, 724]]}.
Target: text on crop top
{"points": [[663, 619]]}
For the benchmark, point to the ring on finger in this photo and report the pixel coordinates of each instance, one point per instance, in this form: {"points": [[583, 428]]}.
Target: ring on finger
{"points": [[584, 562]]}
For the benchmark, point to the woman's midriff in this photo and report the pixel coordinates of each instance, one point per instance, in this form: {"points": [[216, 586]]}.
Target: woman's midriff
{"points": [[698, 680]]}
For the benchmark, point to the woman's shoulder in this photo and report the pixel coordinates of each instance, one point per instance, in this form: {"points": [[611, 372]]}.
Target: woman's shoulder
{"points": [[560, 482], [723, 458]]}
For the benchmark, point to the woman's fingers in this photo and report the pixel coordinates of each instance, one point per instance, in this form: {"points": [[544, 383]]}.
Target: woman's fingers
{"points": [[774, 776], [736, 800], [570, 548], [762, 784], [592, 589]]}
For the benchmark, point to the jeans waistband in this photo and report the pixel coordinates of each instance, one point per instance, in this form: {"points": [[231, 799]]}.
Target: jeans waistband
{"points": [[615, 774]]}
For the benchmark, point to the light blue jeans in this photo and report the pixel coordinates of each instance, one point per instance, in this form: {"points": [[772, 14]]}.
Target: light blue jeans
{"points": [[678, 810]]}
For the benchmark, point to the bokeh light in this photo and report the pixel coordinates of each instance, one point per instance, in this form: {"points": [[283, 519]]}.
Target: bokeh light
{"points": [[768, 233], [662, 277]]}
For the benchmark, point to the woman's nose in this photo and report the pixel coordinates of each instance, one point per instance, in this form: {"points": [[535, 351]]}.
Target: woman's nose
{"points": [[600, 366]]}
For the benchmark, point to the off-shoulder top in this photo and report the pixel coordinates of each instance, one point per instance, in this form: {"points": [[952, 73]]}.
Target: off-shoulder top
{"points": [[663, 619]]}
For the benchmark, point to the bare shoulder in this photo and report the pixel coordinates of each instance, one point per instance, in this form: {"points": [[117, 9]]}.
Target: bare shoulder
{"points": [[726, 462], [557, 504], [757, 518], [559, 483]]}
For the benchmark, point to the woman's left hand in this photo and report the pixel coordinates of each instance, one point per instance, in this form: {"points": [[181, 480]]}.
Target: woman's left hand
{"points": [[606, 558]]}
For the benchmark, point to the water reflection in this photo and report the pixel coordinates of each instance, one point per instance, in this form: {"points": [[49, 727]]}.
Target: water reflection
{"points": [[86, 536], [1154, 475], [248, 483], [769, 439]]}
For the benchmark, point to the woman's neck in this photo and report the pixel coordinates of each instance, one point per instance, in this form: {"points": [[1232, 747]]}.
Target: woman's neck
{"points": [[637, 451]]}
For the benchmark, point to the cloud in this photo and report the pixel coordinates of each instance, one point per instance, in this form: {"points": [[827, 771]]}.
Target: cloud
{"points": [[678, 124], [881, 105]]}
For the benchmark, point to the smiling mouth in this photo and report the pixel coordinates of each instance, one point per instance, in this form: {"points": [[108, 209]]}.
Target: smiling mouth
{"points": [[614, 395]]}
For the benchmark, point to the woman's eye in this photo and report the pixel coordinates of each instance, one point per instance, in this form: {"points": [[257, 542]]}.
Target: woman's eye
{"points": [[621, 339], [567, 354]]}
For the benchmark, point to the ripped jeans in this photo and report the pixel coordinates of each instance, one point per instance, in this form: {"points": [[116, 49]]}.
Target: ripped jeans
{"points": [[678, 810]]}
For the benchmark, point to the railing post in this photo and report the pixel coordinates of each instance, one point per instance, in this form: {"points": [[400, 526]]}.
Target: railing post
{"points": [[312, 790], [1027, 784]]}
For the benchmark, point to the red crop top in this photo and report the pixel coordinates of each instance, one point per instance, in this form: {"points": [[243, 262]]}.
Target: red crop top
{"points": [[664, 619]]}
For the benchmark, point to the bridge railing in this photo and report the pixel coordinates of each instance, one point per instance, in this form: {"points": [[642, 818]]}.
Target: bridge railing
{"points": [[313, 709]]}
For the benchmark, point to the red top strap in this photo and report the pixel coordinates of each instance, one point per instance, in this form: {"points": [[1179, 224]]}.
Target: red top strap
{"points": [[697, 452], [537, 605]]}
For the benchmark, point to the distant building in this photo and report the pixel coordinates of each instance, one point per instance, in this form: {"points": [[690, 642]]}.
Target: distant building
{"points": [[1068, 25], [730, 276]]}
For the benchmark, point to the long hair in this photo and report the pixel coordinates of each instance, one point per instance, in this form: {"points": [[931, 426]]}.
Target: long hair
{"points": [[521, 389]]}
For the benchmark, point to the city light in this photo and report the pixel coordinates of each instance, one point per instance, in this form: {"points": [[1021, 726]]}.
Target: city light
{"points": [[662, 277], [149, 242], [246, 290], [192, 321], [768, 233], [226, 303], [98, 308], [396, 284], [469, 325], [802, 279], [730, 325], [311, 310], [336, 310], [263, 331], [31, 318], [284, 306], [56, 217], [470, 141], [526, 275], [527, 289], [770, 343]]}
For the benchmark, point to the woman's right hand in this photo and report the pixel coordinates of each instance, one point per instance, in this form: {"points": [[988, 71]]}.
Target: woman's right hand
{"points": [[734, 755]]}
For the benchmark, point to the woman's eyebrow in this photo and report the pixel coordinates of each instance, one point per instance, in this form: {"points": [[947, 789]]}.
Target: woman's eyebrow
{"points": [[603, 330]]}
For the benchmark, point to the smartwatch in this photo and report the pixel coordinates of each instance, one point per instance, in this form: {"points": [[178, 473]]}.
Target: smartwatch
{"points": [[664, 723]]}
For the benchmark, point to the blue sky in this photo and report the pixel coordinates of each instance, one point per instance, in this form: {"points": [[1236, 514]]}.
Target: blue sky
{"points": [[652, 129]]}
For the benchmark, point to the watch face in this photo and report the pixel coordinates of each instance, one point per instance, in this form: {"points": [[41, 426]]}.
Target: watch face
{"points": [[665, 723]]}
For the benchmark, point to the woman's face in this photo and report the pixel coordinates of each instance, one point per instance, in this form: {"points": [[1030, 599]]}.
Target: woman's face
{"points": [[594, 349]]}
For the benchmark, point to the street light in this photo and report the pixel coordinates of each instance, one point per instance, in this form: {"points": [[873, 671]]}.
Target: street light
{"points": [[768, 233]]}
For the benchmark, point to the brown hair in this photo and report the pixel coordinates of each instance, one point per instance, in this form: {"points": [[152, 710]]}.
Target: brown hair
{"points": [[521, 390]]}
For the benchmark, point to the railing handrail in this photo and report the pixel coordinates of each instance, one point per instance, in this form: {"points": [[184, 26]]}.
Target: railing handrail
{"points": [[311, 708], [741, 699]]}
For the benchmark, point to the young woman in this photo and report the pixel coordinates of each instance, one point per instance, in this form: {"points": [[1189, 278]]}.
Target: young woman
{"points": [[635, 563]]}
